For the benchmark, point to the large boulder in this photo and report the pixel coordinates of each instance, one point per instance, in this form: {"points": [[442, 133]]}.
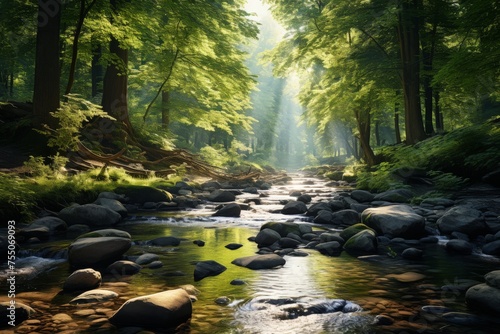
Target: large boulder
{"points": [[395, 221], [462, 219], [395, 196], [317, 207], [207, 268], [143, 194], [294, 208], [112, 204], [14, 314], [54, 224], [97, 252], [89, 214], [331, 248], [257, 262], [267, 237], [285, 228], [483, 297], [492, 248], [107, 232], [350, 231], [346, 217], [362, 196], [158, 311], [362, 243], [229, 210], [221, 196], [324, 217], [82, 280]]}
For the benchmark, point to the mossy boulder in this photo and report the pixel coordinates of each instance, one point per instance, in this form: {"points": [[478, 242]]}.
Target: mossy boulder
{"points": [[347, 233], [143, 194], [362, 243]]}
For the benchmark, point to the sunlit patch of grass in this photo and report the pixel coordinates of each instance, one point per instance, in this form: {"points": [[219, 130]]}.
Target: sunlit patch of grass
{"points": [[21, 198]]}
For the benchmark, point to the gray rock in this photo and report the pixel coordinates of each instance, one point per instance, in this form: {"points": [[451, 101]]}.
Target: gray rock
{"points": [[112, 195], [395, 196], [146, 258], [462, 219], [294, 208], [107, 232], [165, 241], [82, 280], [287, 227], [155, 265], [93, 296], [257, 262], [54, 224], [484, 298], [492, 248], [251, 190], [229, 210], [412, 254], [289, 243], [437, 201], [317, 207], [350, 231], [123, 268], [461, 318], [233, 246], [346, 217], [39, 232], [143, 194], [331, 248], [211, 185], [493, 278], [395, 221], [95, 252], [304, 198], [221, 196], [167, 309], [459, 246], [207, 268], [328, 236], [324, 217], [362, 196], [112, 204], [237, 282], [362, 243], [267, 237], [89, 214]]}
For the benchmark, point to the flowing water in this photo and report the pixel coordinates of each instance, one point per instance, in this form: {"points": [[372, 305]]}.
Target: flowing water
{"points": [[269, 301]]}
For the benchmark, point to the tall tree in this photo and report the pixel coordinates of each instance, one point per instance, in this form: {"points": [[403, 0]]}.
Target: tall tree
{"points": [[46, 93]]}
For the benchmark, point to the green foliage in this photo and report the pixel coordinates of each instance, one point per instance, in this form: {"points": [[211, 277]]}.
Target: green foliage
{"points": [[451, 160], [35, 166], [71, 117]]}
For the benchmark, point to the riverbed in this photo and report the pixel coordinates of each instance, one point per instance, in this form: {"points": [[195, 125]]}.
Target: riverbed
{"points": [[401, 289]]}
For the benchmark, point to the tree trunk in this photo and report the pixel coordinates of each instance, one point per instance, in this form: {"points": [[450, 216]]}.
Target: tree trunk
{"points": [[363, 121], [409, 45], [428, 49], [377, 132], [114, 96], [396, 120], [76, 38], [437, 113], [97, 71], [165, 109], [46, 92]]}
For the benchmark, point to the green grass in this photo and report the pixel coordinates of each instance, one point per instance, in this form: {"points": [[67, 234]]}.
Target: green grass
{"points": [[21, 198]]}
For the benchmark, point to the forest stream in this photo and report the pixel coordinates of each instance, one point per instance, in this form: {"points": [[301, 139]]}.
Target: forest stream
{"points": [[302, 296]]}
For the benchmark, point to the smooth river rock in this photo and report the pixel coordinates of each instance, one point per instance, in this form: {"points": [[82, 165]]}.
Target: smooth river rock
{"points": [[89, 214], [82, 280], [158, 311], [395, 221], [207, 268], [96, 252], [257, 262], [462, 219]]}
